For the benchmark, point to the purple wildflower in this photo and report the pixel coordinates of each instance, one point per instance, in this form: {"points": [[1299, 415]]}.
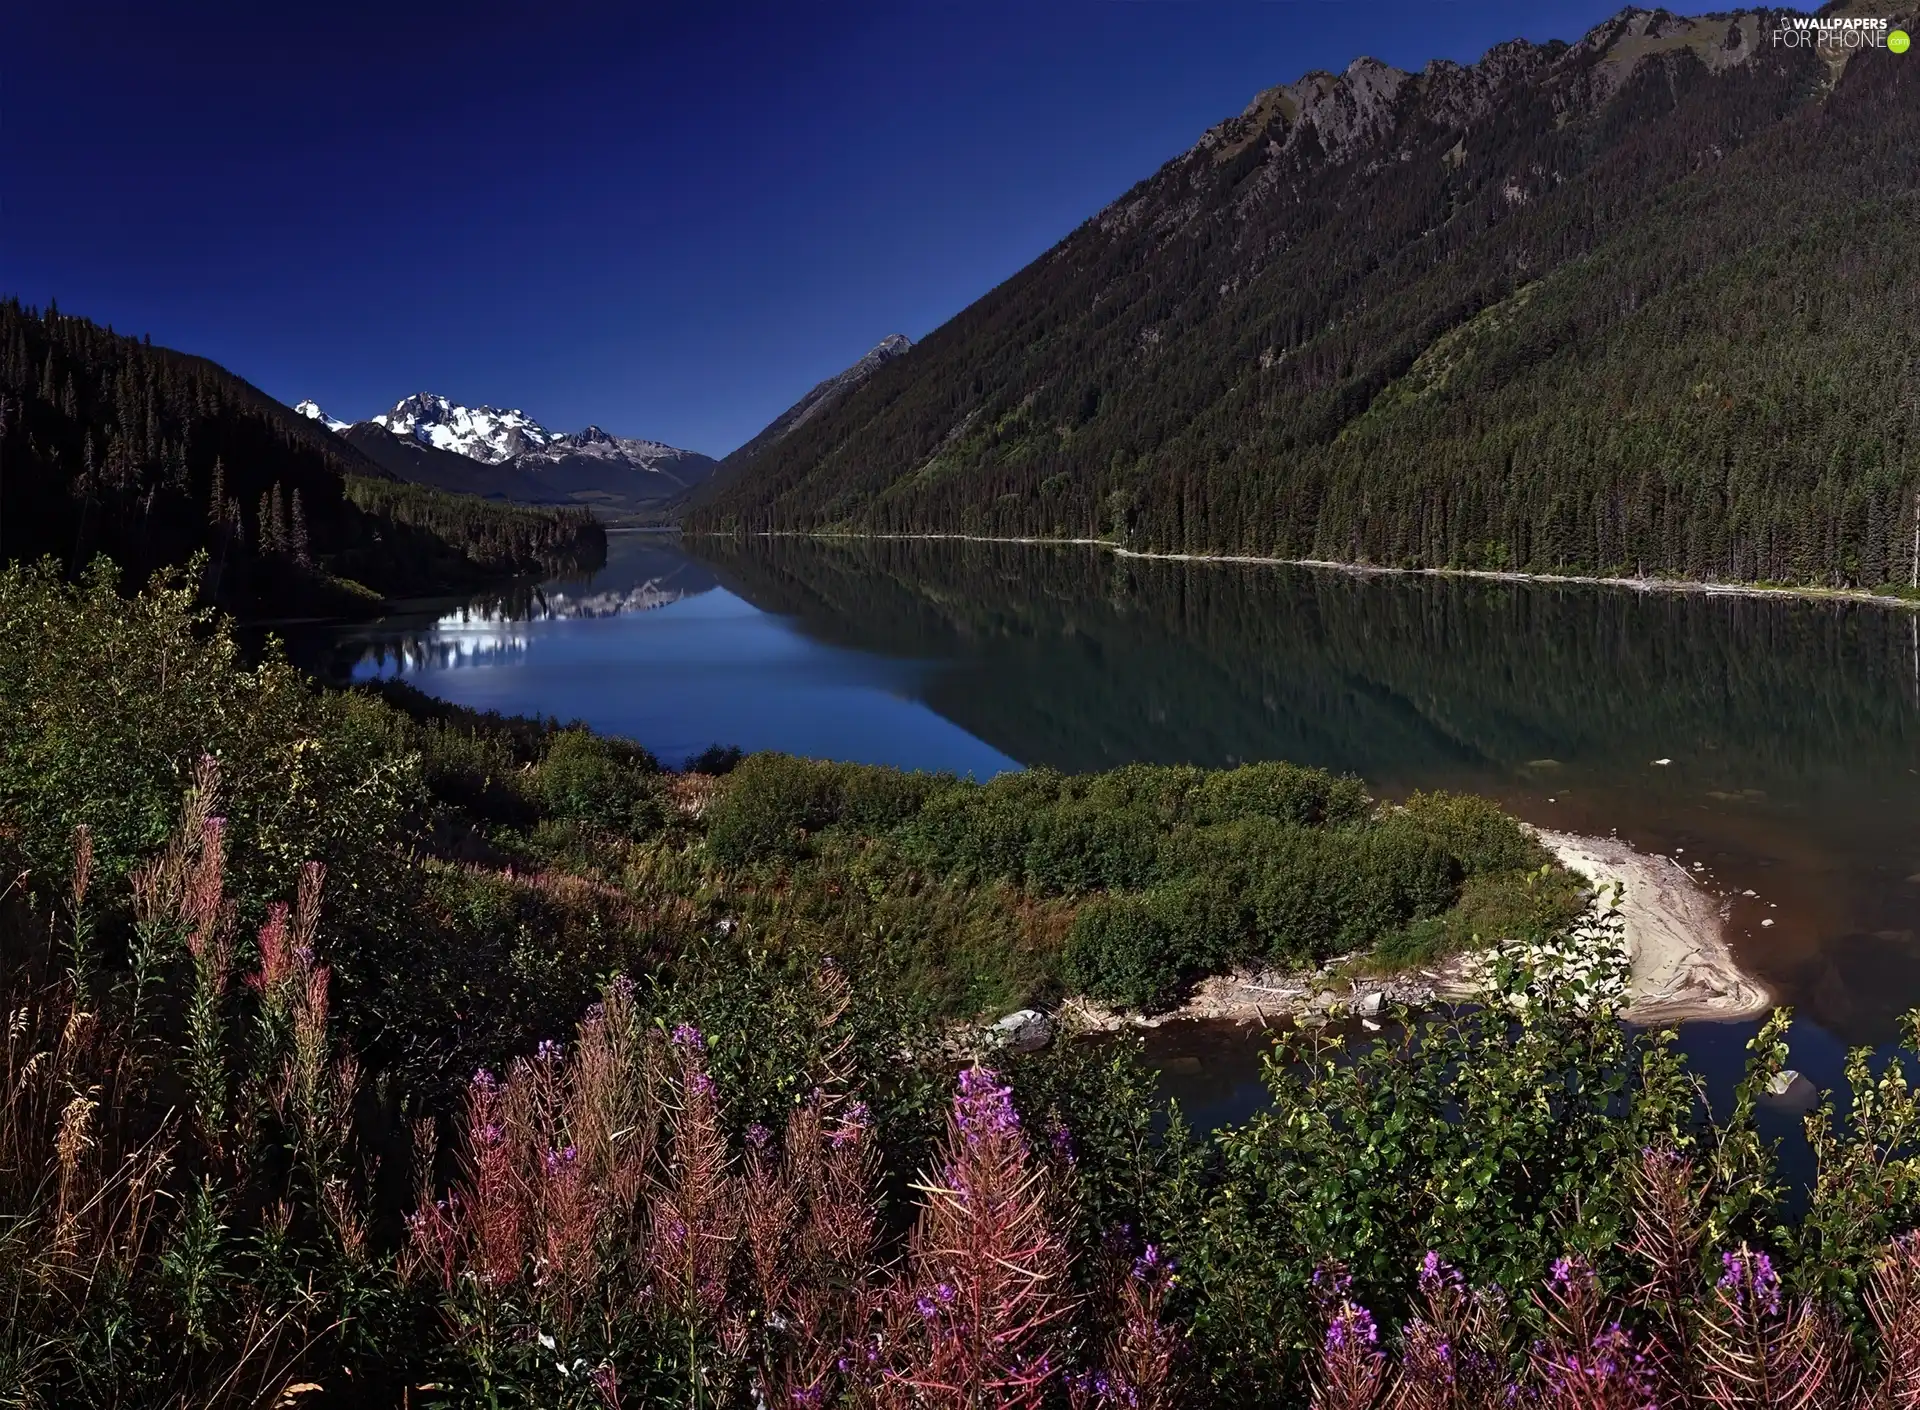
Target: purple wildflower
{"points": [[1436, 1273], [1352, 1327], [688, 1038], [984, 1106], [853, 1123], [1060, 1141], [1152, 1264], [1750, 1279], [1330, 1285]]}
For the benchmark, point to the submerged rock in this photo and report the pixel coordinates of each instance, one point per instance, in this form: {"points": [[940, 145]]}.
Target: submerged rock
{"points": [[1791, 1089]]}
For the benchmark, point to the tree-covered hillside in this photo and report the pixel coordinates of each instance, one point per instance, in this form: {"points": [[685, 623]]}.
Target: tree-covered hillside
{"points": [[111, 445], [1637, 304]]}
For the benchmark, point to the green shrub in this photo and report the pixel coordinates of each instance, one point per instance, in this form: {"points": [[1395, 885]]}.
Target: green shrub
{"points": [[474, 771], [1142, 948], [1295, 898], [1475, 831], [1406, 874], [880, 799], [1162, 793], [716, 760], [1210, 927], [1508, 905], [977, 833], [608, 783], [107, 703], [1081, 846], [768, 805], [1121, 950], [1309, 797], [1318, 893]]}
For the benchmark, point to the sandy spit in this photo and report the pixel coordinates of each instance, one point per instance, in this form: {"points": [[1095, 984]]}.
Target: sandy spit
{"points": [[1682, 968]]}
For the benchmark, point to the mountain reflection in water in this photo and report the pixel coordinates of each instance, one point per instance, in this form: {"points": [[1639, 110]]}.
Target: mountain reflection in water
{"points": [[1791, 726]]}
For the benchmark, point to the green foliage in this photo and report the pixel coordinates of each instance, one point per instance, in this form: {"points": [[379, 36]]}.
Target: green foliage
{"points": [[1306, 797], [1123, 950], [107, 704], [769, 805], [1500, 1144], [1174, 872], [608, 783], [1142, 949], [1476, 832]]}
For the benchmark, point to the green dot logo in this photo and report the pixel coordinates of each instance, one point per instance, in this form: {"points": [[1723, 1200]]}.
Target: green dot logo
{"points": [[1898, 41]]}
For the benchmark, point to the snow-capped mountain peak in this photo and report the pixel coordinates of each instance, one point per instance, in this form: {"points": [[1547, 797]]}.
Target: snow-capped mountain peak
{"points": [[311, 410], [484, 433], [597, 442]]}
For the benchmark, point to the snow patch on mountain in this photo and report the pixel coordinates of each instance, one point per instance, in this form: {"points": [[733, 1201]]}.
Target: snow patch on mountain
{"points": [[650, 457], [311, 410], [484, 433]]}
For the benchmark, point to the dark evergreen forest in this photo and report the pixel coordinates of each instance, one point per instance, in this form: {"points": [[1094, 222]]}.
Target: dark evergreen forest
{"points": [[110, 445], [1640, 305]]}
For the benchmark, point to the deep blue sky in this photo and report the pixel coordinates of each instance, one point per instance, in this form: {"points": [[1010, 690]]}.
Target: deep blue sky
{"points": [[671, 220]]}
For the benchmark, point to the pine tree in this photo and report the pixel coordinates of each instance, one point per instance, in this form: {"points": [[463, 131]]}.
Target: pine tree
{"points": [[302, 549], [217, 496]]}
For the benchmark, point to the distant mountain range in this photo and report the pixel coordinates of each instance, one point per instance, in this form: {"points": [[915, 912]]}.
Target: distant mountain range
{"points": [[506, 454], [158, 459], [1639, 303]]}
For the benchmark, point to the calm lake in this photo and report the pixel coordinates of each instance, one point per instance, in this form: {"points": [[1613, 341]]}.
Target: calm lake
{"points": [[1770, 746]]}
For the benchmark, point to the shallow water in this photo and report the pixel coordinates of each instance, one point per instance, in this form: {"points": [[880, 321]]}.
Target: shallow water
{"points": [[1790, 729]]}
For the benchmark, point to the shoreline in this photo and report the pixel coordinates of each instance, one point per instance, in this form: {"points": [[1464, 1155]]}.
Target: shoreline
{"points": [[1682, 969], [1643, 585]]}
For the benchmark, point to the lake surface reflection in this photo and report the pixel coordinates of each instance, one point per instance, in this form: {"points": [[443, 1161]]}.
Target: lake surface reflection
{"points": [[1789, 728]]}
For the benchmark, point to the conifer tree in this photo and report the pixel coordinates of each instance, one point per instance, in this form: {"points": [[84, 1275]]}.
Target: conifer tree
{"points": [[302, 549]]}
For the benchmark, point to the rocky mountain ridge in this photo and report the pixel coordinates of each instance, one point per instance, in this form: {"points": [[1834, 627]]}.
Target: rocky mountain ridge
{"points": [[507, 454], [1544, 311]]}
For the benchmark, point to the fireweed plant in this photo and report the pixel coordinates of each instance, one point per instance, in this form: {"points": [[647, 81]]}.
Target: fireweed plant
{"points": [[361, 1055], [216, 1205]]}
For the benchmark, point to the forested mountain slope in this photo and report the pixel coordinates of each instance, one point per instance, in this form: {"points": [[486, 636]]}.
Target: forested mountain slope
{"points": [[111, 445], [1637, 304]]}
